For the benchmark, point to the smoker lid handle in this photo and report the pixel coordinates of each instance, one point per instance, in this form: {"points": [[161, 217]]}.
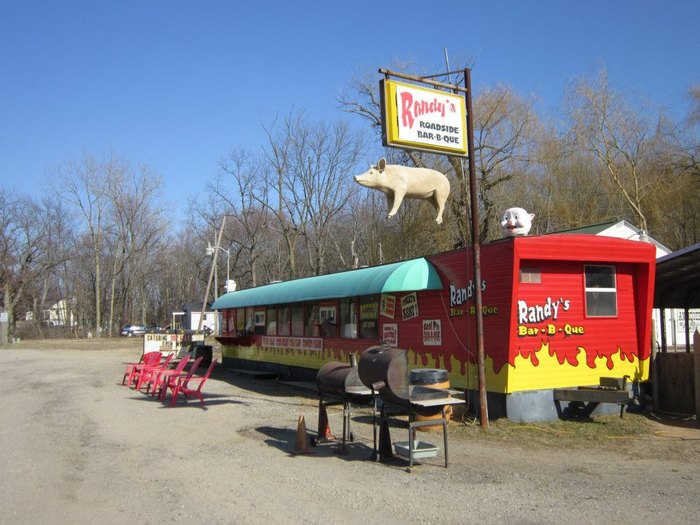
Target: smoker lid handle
{"points": [[378, 385]]}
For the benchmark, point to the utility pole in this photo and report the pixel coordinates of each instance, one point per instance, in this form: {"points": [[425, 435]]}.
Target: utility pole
{"points": [[211, 274]]}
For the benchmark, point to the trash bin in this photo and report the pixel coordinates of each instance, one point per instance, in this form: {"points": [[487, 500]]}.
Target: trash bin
{"points": [[436, 378], [206, 352]]}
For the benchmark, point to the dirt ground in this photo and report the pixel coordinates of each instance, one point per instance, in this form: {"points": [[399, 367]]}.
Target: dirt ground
{"points": [[78, 447]]}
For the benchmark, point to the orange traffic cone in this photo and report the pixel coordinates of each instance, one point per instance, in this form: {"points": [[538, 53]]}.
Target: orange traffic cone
{"points": [[324, 429], [302, 444]]}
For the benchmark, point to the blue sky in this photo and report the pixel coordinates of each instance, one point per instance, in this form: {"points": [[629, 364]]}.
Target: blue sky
{"points": [[176, 84]]}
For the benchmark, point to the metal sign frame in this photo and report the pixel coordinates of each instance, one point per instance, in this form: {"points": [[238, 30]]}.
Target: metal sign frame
{"points": [[476, 248]]}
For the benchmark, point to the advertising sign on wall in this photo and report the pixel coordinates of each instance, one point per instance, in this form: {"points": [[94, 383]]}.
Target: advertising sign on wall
{"points": [[415, 117], [432, 332], [409, 306], [388, 306], [390, 334]]}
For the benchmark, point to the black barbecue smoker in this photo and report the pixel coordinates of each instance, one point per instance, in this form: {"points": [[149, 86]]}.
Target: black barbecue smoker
{"points": [[339, 383], [382, 378]]}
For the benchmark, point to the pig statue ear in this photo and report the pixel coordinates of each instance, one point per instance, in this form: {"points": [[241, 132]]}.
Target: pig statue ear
{"points": [[381, 164]]}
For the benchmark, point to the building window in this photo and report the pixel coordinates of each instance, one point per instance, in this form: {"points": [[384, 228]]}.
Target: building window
{"points": [[530, 275], [240, 320], [601, 291], [369, 317], [283, 321], [311, 329], [298, 320], [249, 321], [348, 318], [327, 318], [271, 321], [229, 322], [260, 322]]}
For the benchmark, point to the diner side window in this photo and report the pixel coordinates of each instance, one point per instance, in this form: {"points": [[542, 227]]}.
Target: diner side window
{"points": [[260, 322], [240, 321], [311, 327], [229, 322], [225, 314], [249, 321], [298, 320], [283, 320], [271, 321], [348, 318], [530, 275], [327, 318], [601, 291], [369, 317]]}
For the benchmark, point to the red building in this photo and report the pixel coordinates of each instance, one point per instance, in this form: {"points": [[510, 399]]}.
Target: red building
{"points": [[558, 311]]}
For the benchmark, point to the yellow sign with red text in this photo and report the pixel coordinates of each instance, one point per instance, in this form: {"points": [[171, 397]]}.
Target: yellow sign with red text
{"points": [[425, 119]]}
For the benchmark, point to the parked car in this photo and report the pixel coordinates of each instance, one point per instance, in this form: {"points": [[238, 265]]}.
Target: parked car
{"points": [[133, 329]]}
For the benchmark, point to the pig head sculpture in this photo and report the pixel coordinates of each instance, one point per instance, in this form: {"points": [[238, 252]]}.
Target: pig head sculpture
{"points": [[399, 182], [516, 221]]}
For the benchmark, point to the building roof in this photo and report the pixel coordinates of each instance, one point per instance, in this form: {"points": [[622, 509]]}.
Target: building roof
{"points": [[593, 229], [583, 248], [622, 230], [678, 279], [404, 276]]}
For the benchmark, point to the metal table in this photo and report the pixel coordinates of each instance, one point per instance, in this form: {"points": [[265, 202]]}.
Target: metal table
{"points": [[383, 447]]}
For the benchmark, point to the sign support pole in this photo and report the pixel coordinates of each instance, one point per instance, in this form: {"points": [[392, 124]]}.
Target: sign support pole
{"points": [[474, 204], [476, 253]]}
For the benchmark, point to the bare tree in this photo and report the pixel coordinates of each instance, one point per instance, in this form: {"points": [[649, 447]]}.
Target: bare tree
{"points": [[564, 190], [323, 160], [277, 151], [139, 228], [55, 240], [181, 268], [84, 185], [28, 252], [242, 190], [621, 140], [362, 99], [310, 170], [505, 132]]}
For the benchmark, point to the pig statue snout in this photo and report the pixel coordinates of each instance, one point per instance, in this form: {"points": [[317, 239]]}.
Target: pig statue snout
{"points": [[399, 182]]}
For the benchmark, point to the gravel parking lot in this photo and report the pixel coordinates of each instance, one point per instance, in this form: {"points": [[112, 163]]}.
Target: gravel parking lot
{"points": [[80, 448]]}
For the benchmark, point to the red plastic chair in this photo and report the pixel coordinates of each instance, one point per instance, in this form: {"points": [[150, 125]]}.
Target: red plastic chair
{"points": [[172, 379], [182, 385], [148, 359], [160, 378], [147, 372]]}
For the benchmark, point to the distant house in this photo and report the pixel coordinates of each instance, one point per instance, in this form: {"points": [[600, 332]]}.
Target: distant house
{"points": [[622, 230], [188, 318], [58, 314]]}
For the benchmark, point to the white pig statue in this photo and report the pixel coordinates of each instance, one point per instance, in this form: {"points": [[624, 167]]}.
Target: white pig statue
{"points": [[399, 182], [516, 221]]}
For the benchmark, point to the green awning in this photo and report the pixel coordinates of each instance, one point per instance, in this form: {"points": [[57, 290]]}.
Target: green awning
{"points": [[406, 276]]}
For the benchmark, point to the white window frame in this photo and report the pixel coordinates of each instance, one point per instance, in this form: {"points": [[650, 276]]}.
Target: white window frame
{"points": [[599, 290]]}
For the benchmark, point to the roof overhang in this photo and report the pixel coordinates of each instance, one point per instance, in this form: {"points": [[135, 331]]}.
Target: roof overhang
{"points": [[406, 276], [678, 279]]}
